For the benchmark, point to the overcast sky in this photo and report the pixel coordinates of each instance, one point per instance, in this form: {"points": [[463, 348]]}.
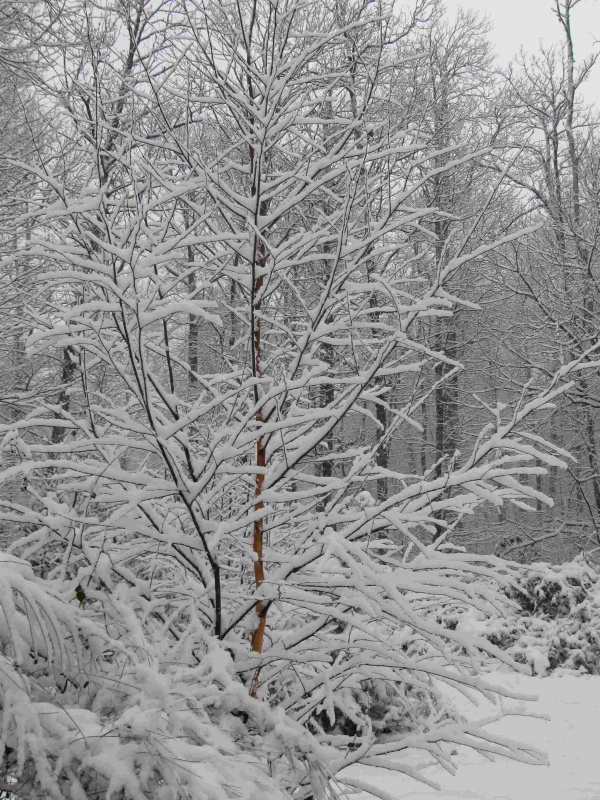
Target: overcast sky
{"points": [[524, 22]]}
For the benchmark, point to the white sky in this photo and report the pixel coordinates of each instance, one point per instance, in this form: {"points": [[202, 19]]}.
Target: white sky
{"points": [[525, 22]]}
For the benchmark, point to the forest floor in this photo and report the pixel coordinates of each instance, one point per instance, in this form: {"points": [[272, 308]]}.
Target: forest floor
{"points": [[570, 740]]}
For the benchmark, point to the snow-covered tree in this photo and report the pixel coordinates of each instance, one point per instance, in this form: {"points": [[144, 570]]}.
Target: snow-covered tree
{"points": [[225, 274]]}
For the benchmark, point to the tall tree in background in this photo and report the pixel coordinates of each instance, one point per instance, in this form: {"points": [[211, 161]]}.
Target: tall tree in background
{"points": [[555, 273], [446, 90], [23, 132]]}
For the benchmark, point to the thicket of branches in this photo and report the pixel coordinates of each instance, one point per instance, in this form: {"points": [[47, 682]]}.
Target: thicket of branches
{"points": [[243, 247]]}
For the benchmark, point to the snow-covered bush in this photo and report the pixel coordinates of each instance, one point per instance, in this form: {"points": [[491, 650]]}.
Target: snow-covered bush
{"points": [[551, 591], [389, 708], [553, 623]]}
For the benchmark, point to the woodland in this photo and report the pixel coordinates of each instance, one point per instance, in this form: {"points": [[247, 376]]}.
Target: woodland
{"points": [[299, 394]]}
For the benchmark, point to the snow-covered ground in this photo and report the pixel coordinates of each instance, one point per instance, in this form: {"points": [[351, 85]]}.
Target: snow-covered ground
{"points": [[571, 740]]}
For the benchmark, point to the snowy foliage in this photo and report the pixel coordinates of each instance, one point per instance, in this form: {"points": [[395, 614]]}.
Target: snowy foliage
{"points": [[102, 695], [94, 701]]}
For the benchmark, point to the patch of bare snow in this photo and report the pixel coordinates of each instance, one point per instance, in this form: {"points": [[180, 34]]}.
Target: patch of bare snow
{"points": [[571, 740]]}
